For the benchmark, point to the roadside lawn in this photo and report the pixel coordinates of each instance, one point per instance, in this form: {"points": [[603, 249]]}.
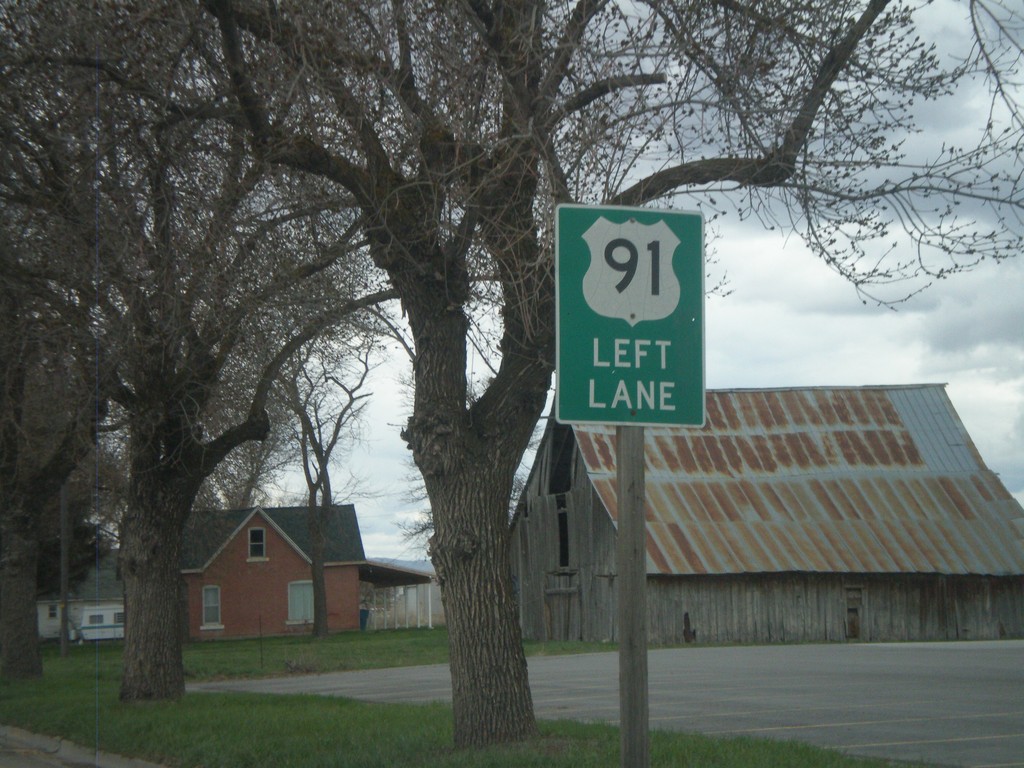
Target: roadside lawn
{"points": [[77, 700]]}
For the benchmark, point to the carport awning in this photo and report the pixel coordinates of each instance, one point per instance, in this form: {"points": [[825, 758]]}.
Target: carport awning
{"points": [[386, 575]]}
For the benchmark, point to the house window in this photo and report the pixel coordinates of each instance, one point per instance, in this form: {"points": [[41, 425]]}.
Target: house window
{"points": [[257, 543], [211, 606], [51, 611], [300, 602]]}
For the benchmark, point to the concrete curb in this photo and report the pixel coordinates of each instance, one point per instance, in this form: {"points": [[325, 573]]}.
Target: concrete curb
{"points": [[68, 751]]}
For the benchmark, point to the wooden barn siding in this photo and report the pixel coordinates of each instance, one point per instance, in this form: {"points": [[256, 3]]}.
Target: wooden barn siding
{"points": [[530, 588], [532, 546], [577, 601], [737, 609], [789, 608]]}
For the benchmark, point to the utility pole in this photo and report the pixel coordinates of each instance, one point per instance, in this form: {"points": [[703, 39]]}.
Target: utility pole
{"points": [[65, 564]]}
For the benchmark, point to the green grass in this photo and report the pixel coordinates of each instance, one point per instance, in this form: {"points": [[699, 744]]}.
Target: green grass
{"points": [[301, 653], [338, 653], [77, 699]]}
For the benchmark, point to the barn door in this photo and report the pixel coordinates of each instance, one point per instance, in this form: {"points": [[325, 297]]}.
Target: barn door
{"points": [[854, 608], [562, 606]]}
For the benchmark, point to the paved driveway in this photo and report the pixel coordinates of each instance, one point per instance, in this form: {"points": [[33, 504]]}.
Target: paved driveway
{"points": [[958, 704]]}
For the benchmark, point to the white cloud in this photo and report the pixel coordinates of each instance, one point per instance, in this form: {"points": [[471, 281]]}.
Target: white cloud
{"points": [[792, 322], [981, 315]]}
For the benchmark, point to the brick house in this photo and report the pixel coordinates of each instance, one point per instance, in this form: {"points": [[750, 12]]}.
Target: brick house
{"points": [[247, 572]]}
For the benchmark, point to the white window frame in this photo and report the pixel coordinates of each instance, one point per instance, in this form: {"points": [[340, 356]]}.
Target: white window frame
{"points": [[211, 589], [300, 613], [262, 545]]}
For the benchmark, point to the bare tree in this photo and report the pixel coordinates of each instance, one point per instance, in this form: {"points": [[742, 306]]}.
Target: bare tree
{"points": [[47, 420], [323, 387], [420, 528], [87, 540], [190, 264], [457, 126], [242, 479]]}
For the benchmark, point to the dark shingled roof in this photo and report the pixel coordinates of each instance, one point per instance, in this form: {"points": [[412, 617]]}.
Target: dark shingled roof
{"points": [[208, 531]]}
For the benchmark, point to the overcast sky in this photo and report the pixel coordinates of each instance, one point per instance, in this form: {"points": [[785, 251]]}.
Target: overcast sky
{"points": [[789, 322]]}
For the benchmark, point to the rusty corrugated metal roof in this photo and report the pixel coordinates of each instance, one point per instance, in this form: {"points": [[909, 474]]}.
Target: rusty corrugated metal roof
{"points": [[823, 479]]}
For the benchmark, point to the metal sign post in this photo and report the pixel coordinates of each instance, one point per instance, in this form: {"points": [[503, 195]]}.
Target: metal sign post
{"points": [[629, 331], [631, 558]]}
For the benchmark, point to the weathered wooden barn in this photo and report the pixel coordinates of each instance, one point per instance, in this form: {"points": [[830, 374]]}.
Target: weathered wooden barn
{"points": [[793, 515]]}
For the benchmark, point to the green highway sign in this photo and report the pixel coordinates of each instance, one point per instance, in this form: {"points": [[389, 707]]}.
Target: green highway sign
{"points": [[630, 316]]}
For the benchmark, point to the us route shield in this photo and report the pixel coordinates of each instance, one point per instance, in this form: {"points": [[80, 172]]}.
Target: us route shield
{"points": [[630, 316]]}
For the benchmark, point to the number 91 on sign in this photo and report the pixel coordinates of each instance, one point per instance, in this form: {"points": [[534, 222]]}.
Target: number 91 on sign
{"points": [[630, 316]]}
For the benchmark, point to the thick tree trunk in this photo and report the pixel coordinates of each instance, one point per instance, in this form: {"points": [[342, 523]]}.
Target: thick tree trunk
{"points": [[151, 534], [468, 453], [19, 625], [468, 459], [490, 686]]}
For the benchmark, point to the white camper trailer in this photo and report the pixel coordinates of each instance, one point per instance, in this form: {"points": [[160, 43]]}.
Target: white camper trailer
{"points": [[86, 621], [101, 623], [95, 606]]}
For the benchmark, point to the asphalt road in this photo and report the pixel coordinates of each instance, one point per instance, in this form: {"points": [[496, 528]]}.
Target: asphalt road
{"points": [[956, 704]]}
